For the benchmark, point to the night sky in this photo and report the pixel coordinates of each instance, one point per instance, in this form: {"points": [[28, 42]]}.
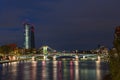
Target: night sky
{"points": [[60, 24]]}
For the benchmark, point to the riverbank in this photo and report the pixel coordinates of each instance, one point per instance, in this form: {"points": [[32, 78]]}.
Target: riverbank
{"points": [[9, 61]]}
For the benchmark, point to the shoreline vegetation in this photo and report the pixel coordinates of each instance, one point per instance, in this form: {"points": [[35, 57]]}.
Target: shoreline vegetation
{"points": [[114, 57]]}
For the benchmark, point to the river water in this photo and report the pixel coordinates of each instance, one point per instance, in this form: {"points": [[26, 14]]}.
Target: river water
{"points": [[54, 70]]}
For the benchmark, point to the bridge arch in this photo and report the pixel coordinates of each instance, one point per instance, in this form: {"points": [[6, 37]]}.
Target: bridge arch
{"points": [[63, 57], [45, 50]]}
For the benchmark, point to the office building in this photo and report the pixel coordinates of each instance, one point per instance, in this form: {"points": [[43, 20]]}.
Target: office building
{"points": [[29, 42]]}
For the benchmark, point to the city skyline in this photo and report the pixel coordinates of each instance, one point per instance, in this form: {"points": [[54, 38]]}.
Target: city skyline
{"points": [[62, 25]]}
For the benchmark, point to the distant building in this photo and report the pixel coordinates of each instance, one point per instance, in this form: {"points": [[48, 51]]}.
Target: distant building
{"points": [[29, 42], [12, 46]]}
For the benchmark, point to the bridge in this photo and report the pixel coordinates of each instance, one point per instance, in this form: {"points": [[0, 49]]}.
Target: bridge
{"points": [[47, 53], [68, 56]]}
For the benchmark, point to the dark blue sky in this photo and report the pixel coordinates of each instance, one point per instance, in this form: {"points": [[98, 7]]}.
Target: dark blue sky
{"points": [[60, 24]]}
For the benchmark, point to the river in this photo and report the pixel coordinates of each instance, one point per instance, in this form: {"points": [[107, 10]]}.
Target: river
{"points": [[54, 70]]}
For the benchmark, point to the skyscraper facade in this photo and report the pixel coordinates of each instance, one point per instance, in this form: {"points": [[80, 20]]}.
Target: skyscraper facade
{"points": [[29, 42]]}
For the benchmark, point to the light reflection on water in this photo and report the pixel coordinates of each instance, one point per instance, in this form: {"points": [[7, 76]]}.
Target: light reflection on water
{"points": [[34, 64], [76, 70], [54, 70], [98, 71]]}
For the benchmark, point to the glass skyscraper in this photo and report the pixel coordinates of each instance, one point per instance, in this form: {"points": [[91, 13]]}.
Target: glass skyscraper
{"points": [[29, 42]]}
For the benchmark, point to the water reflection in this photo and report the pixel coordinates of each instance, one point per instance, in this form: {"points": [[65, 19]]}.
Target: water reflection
{"points": [[71, 70], [77, 70], [14, 65], [34, 65], [44, 72], [98, 71], [59, 71], [26, 72], [53, 70]]}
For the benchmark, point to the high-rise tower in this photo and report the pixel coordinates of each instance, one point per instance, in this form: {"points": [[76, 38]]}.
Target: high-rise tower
{"points": [[29, 42]]}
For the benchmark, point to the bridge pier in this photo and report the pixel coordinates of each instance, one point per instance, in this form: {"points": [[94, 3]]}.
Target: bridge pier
{"points": [[76, 57], [99, 59], [33, 58], [54, 58], [83, 57], [45, 58]]}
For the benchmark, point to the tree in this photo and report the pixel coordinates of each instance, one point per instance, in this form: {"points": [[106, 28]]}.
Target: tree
{"points": [[115, 56], [5, 49]]}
